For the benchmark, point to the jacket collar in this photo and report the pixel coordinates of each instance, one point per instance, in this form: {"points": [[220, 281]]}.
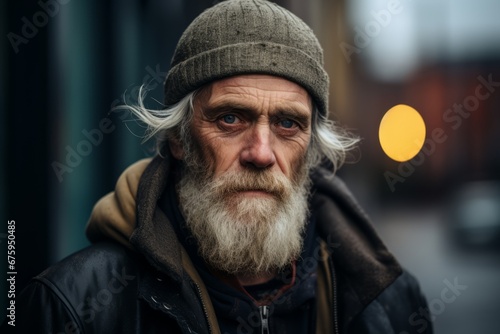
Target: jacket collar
{"points": [[363, 265], [154, 236]]}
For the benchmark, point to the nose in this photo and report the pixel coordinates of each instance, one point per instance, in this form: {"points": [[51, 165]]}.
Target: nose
{"points": [[258, 150]]}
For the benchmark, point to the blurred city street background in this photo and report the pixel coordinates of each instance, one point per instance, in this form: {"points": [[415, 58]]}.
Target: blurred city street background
{"points": [[418, 238]]}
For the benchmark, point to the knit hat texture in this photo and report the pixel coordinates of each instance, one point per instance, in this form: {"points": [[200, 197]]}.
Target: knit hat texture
{"points": [[247, 37]]}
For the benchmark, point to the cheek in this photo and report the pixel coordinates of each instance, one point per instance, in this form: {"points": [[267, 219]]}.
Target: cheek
{"points": [[293, 155], [218, 153]]}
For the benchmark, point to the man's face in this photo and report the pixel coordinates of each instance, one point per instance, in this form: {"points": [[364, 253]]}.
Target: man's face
{"points": [[244, 191], [253, 122]]}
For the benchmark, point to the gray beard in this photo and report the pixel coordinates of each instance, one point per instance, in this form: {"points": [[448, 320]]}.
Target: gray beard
{"points": [[239, 234]]}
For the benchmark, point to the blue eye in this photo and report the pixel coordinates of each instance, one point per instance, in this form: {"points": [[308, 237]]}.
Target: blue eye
{"points": [[286, 123], [229, 119]]}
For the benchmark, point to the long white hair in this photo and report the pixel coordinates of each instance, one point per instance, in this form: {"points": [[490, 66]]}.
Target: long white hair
{"points": [[328, 141]]}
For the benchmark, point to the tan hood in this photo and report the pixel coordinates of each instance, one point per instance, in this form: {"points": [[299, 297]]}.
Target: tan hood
{"points": [[114, 215]]}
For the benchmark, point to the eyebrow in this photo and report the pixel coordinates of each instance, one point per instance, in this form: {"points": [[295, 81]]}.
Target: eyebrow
{"points": [[229, 106]]}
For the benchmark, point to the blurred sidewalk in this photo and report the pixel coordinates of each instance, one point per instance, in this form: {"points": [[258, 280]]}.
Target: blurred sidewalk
{"points": [[418, 237]]}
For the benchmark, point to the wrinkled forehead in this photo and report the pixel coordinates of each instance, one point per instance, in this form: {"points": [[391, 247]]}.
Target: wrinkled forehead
{"points": [[255, 89]]}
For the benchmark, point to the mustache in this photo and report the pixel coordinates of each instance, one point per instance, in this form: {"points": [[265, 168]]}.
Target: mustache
{"points": [[230, 183]]}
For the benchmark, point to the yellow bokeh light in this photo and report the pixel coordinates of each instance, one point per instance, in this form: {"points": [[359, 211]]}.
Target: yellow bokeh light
{"points": [[401, 133]]}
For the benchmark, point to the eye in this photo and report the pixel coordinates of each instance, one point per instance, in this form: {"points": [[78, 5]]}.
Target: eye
{"points": [[229, 119], [287, 123]]}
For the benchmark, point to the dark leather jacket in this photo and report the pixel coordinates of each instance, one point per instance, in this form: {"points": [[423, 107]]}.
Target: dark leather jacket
{"points": [[149, 285]]}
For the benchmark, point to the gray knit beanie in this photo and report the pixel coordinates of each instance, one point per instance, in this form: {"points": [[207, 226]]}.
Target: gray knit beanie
{"points": [[243, 37]]}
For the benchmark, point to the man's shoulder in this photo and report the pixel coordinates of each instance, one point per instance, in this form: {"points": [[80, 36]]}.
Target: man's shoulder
{"points": [[89, 291], [105, 265], [404, 289], [399, 306]]}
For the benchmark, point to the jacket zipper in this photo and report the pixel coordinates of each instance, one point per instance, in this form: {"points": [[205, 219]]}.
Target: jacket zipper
{"points": [[203, 306], [264, 319], [334, 298]]}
